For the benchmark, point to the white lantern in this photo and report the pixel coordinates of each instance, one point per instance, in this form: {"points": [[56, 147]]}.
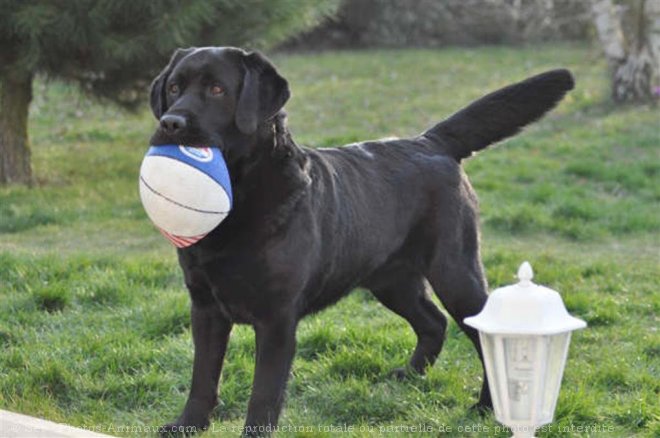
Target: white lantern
{"points": [[524, 331]]}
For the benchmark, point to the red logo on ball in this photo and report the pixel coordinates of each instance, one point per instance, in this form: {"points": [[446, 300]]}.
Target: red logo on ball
{"points": [[203, 155]]}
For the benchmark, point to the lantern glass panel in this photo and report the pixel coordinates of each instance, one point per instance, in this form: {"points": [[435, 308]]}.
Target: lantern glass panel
{"points": [[557, 351], [493, 372], [521, 357]]}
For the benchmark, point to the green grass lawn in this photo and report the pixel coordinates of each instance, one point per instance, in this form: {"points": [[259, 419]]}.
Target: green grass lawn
{"points": [[94, 318]]}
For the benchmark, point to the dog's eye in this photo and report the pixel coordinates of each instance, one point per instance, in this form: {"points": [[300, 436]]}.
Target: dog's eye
{"points": [[173, 89], [216, 90]]}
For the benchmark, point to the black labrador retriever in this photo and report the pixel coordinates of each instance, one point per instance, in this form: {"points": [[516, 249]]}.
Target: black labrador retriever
{"points": [[310, 225]]}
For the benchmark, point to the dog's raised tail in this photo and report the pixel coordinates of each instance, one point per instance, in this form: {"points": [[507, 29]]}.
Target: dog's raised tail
{"points": [[500, 114]]}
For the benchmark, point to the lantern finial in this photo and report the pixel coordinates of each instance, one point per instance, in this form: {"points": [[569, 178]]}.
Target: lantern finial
{"points": [[525, 273]]}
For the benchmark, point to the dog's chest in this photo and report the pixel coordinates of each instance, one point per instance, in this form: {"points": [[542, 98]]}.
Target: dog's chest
{"points": [[241, 285], [238, 312]]}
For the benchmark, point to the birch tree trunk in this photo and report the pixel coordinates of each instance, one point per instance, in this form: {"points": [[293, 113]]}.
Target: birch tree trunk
{"points": [[652, 12], [629, 35]]}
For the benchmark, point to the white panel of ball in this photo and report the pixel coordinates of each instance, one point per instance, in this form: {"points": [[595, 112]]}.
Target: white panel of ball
{"points": [[181, 199]]}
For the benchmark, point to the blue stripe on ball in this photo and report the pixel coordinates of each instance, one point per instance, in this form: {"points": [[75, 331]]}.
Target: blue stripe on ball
{"points": [[216, 168]]}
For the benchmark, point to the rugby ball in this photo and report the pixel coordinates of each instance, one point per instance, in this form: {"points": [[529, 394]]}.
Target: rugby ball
{"points": [[186, 191]]}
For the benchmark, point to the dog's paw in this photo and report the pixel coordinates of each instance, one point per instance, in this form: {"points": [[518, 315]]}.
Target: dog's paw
{"points": [[407, 372], [400, 373], [481, 409], [182, 429]]}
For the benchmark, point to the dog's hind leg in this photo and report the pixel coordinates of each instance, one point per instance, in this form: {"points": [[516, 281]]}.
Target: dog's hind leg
{"points": [[405, 295], [460, 285]]}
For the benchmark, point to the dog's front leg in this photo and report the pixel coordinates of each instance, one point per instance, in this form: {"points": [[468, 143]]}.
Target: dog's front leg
{"points": [[210, 330], [276, 346]]}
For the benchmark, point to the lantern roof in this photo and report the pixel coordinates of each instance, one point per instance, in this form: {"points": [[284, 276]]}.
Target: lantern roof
{"points": [[524, 308]]}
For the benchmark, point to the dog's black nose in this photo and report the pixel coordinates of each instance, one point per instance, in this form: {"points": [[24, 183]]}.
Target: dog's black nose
{"points": [[172, 124]]}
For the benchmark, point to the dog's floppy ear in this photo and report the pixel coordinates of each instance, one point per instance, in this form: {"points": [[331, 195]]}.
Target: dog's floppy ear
{"points": [[263, 94], [158, 98]]}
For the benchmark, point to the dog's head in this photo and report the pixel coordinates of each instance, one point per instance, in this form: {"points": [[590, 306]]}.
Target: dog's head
{"points": [[216, 96]]}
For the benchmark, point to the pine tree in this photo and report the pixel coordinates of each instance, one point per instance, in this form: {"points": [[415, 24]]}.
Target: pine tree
{"points": [[112, 48]]}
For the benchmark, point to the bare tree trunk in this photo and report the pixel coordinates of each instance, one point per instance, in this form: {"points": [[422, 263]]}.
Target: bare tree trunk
{"points": [[632, 49], [652, 12], [15, 97], [608, 26]]}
